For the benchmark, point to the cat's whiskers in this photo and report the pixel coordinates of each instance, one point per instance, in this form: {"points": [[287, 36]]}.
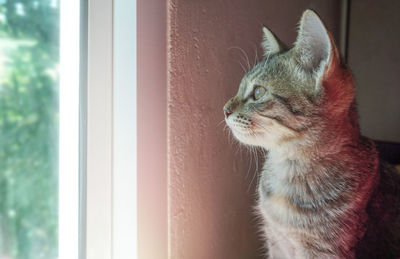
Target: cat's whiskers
{"points": [[255, 172], [223, 120], [239, 148], [250, 162], [245, 56], [241, 65], [230, 137]]}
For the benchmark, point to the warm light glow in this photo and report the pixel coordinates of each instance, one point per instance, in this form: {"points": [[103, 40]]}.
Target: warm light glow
{"points": [[69, 130]]}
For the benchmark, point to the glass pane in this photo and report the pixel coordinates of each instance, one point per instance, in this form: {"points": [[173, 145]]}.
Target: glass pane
{"points": [[29, 56]]}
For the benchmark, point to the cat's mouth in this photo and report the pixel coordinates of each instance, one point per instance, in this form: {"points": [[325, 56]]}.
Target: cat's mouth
{"points": [[240, 125]]}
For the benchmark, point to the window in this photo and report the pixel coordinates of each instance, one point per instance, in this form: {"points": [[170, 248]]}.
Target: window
{"points": [[29, 126], [39, 131], [67, 129]]}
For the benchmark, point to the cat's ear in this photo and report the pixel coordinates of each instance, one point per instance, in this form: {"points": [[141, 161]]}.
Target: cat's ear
{"points": [[271, 44], [314, 45]]}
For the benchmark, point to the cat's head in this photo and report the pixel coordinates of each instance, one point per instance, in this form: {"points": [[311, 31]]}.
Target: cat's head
{"points": [[294, 96]]}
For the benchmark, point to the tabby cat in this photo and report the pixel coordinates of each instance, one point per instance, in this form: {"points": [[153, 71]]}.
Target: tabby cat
{"points": [[323, 191]]}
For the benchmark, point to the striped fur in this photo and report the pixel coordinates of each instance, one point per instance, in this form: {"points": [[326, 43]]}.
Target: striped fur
{"points": [[323, 192]]}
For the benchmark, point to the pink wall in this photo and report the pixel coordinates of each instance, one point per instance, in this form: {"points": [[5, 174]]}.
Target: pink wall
{"points": [[210, 206], [152, 129]]}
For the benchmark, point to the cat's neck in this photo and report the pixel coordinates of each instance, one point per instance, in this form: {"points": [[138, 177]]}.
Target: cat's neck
{"points": [[306, 152]]}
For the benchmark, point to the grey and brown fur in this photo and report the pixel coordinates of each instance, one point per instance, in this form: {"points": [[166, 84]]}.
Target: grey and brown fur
{"points": [[323, 191]]}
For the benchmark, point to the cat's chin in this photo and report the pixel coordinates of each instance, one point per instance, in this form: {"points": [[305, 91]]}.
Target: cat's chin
{"points": [[257, 139], [251, 139]]}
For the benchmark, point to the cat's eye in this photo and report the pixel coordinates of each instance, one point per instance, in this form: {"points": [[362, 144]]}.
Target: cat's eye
{"points": [[258, 92]]}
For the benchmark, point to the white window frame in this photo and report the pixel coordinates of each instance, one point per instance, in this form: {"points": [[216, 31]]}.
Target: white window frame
{"points": [[125, 131], [108, 193], [98, 221]]}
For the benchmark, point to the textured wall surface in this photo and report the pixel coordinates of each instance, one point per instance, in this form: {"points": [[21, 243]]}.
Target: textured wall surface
{"points": [[210, 202], [374, 57]]}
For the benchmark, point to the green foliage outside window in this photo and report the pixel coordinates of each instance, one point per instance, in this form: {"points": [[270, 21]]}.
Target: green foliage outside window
{"points": [[29, 55]]}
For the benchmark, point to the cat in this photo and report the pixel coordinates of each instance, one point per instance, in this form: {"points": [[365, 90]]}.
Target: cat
{"points": [[323, 191]]}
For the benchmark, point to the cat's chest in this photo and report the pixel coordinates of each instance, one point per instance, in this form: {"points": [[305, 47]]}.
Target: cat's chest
{"points": [[286, 194], [285, 180]]}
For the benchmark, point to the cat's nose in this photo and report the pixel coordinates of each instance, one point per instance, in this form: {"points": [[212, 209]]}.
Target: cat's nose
{"points": [[227, 112]]}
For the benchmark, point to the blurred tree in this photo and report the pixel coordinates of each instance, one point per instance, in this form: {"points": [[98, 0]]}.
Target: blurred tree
{"points": [[29, 53]]}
